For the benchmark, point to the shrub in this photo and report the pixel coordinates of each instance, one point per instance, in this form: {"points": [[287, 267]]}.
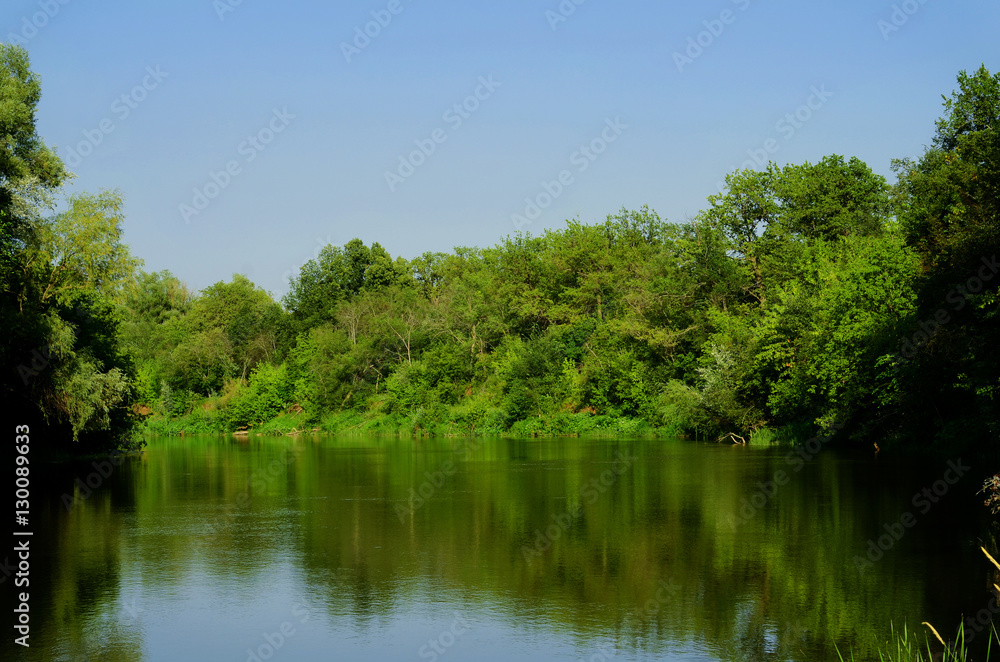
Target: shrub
{"points": [[267, 393]]}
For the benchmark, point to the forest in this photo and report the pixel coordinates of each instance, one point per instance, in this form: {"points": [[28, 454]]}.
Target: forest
{"points": [[803, 297]]}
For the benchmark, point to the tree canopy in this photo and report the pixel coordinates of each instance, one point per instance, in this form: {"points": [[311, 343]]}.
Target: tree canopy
{"points": [[804, 296]]}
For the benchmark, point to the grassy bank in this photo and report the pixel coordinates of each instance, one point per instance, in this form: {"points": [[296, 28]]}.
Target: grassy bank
{"points": [[909, 646], [208, 419]]}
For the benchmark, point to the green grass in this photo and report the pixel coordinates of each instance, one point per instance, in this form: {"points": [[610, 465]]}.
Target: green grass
{"points": [[286, 424], [472, 418], [763, 437], [907, 646], [199, 421]]}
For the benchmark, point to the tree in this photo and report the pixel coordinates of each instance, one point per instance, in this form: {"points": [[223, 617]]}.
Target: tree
{"points": [[975, 107], [236, 324], [29, 169], [313, 295], [80, 249], [948, 199], [832, 198], [949, 207], [744, 213], [75, 271], [340, 274], [62, 360], [30, 172]]}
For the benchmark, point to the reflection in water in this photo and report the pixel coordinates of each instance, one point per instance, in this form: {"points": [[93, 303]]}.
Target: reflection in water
{"points": [[347, 549]]}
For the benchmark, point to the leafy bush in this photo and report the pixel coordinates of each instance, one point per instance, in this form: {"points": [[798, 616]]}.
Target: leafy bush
{"points": [[267, 393]]}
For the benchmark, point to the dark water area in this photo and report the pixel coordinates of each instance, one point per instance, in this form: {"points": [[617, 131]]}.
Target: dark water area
{"points": [[326, 548]]}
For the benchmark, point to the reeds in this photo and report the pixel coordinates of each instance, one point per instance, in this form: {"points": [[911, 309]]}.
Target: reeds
{"points": [[906, 646]]}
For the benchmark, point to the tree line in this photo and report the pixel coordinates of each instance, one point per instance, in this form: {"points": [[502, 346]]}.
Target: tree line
{"points": [[802, 297]]}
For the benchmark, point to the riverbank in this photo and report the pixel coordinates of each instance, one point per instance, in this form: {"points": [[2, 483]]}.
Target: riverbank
{"points": [[208, 421], [207, 418]]}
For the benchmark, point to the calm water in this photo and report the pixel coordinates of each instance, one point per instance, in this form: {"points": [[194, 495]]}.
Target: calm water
{"points": [[345, 549]]}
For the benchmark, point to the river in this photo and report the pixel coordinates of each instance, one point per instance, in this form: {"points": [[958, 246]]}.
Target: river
{"points": [[327, 548]]}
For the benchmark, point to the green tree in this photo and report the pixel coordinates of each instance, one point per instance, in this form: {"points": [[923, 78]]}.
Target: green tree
{"points": [[974, 107], [268, 392], [832, 198], [78, 250], [949, 207], [29, 169], [340, 274], [743, 214], [313, 295], [229, 330], [62, 277]]}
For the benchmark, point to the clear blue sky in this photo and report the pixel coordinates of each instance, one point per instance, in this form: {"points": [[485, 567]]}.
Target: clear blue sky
{"points": [[555, 86]]}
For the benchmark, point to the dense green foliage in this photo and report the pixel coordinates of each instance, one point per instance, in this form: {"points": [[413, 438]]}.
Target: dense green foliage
{"points": [[803, 296], [63, 362]]}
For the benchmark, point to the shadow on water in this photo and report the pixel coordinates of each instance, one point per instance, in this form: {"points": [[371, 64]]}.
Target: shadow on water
{"points": [[325, 548]]}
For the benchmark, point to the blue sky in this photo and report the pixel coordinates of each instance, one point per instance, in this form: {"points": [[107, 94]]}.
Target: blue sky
{"points": [[159, 99]]}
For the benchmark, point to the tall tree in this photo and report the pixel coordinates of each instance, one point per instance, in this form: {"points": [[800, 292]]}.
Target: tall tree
{"points": [[29, 169], [949, 206], [833, 198], [61, 361]]}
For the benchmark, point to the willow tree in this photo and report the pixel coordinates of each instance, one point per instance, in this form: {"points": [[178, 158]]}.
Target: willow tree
{"points": [[61, 362]]}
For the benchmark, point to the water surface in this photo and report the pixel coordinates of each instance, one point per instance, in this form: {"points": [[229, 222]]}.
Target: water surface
{"points": [[323, 548]]}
